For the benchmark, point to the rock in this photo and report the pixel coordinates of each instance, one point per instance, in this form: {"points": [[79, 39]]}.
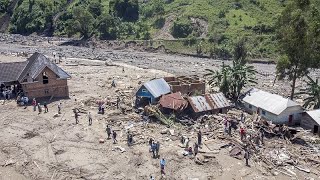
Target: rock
{"points": [[171, 131], [164, 131], [9, 162], [56, 115], [119, 148], [101, 140]]}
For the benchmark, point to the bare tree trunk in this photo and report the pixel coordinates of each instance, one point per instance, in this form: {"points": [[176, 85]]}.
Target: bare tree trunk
{"points": [[294, 79]]}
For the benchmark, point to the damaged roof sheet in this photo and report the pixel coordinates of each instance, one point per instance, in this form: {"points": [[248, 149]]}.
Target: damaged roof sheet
{"points": [[157, 87], [315, 115], [173, 101], [208, 102], [272, 103]]}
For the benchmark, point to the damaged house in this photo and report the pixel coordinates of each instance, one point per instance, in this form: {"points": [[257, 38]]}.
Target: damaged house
{"points": [[272, 107], [192, 85], [173, 103], [311, 120], [208, 104], [36, 77], [151, 91]]}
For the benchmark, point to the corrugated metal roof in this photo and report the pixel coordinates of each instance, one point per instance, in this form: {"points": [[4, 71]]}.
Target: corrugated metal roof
{"points": [[157, 87], [173, 101], [208, 102], [315, 115], [218, 100], [272, 103], [10, 72], [35, 65]]}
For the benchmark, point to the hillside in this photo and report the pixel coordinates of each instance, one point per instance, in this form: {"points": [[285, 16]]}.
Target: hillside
{"points": [[202, 27]]}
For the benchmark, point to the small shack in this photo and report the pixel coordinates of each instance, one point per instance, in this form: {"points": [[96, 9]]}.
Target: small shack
{"points": [[311, 120], [151, 91], [173, 103], [208, 104], [272, 107]]}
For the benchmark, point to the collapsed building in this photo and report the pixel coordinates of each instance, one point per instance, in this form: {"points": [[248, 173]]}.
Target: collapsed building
{"points": [[192, 85], [36, 77], [208, 104]]}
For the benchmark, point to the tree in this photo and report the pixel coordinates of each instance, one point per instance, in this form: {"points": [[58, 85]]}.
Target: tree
{"points": [[108, 27], [95, 8], [313, 92], [232, 79], [82, 22], [296, 42], [128, 10]]}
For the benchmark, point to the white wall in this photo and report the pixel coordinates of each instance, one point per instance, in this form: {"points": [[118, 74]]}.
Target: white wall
{"points": [[283, 118]]}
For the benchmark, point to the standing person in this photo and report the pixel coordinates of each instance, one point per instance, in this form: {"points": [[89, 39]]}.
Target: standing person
{"points": [[242, 118], [118, 102], [162, 164], [59, 108], [113, 84], [246, 156], [242, 133], [108, 130], [199, 137], [34, 104], [90, 118], [150, 144], [76, 116], [114, 136], [103, 106], [153, 149], [157, 149], [39, 108], [229, 127], [45, 107], [196, 149]]}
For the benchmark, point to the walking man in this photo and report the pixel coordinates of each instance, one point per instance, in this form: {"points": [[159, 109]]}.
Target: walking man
{"points": [[45, 107], [150, 144], [157, 149], [153, 149], [108, 130], [118, 102], [39, 108], [242, 133], [114, 136], [162, 164], [199, 138], [34, 104], [90, 118], [76, 116], [229, 128], [196, 149], [246, 156], [59, 108]]}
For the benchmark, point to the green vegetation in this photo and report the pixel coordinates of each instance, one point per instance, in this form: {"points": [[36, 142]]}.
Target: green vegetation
{"points": [[232, 79], [313, 92], [213, 24], [298, 32]]}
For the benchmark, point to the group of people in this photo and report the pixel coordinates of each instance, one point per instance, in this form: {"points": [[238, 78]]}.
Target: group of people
{"points": [[113, 133], [36, 105]]}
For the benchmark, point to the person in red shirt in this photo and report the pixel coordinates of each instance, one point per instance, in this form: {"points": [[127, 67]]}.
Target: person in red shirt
{"points": [[242, 133]]}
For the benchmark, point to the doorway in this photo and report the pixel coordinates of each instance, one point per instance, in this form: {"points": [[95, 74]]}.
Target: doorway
{"points": [[315, 129], [290, 119]]}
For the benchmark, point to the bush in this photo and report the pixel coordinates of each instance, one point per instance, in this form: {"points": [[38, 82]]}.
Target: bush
{"points": [[181, 29], [159, 23], [128, 10]]}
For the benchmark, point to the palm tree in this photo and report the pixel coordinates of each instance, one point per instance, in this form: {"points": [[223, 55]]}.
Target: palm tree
{"points": [[232, 79], [313, 92]]}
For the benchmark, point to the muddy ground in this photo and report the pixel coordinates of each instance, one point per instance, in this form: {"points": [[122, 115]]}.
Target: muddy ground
{"points": [[42, 146]]}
